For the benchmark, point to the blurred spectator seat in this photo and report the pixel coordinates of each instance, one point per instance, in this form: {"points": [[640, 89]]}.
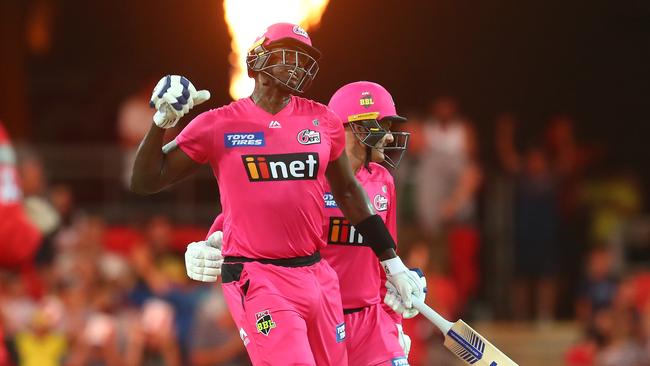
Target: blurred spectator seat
{"points": [[184, 235], [122, 239]]}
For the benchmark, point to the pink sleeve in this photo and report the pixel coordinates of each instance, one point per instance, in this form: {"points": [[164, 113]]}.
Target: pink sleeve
{"points": [[197, 138], [391, 216], [391, 224], [337, 136], [217, 225]]}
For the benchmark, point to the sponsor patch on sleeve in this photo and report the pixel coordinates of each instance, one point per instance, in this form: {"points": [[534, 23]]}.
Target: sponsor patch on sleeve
{"points": [[399, 361]]}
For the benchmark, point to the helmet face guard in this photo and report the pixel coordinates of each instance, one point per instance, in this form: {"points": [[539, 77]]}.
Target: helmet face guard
{"points": [[293, 68], [370, 132]]}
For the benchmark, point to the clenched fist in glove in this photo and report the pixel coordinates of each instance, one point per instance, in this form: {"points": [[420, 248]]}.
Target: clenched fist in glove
{"points": [[395, 301], [203, 259], [172, 98], [403, 283]]}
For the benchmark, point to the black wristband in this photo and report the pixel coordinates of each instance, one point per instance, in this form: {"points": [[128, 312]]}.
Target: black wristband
{"points": [[376, 234]]}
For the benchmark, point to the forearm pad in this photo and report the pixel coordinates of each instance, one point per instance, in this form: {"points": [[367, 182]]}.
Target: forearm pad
{"points": [[376, 234]]}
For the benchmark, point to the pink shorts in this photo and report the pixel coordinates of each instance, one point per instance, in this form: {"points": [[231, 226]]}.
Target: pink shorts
{"points": [[287, 315], [372, 338]]}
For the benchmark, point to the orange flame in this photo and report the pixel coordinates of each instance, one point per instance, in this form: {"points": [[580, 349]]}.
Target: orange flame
{"points": [[247, 19]]}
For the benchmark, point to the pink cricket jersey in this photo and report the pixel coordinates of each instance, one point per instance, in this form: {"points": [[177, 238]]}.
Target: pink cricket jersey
{"points": [[360, 274], [270, 169]]}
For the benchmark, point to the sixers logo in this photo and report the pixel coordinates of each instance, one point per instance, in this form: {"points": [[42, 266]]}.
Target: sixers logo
{"points": [[380, 202], [308, 137]]}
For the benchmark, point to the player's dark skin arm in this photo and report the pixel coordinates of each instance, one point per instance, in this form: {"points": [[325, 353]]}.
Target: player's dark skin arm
{"points": [[350, 196], [154, 170]]}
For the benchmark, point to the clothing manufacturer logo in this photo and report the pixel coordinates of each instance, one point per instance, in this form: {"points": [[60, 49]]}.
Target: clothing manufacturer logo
{"points": [[308, 137], [263, 168], [384, 189], [274, 124], [328, 197], [380, 202], [264, 322], [315, 122], [342, 232], [366, 100], [240, 139], [340, 333]]}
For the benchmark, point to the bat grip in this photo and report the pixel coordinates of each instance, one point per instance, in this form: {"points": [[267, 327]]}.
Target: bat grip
{"points": [[443, 324]]}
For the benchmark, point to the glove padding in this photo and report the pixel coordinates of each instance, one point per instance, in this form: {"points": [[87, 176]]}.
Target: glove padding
{"points": [[203, 259], [404, 284], [173, 97], [404, 340], [394, 300]]}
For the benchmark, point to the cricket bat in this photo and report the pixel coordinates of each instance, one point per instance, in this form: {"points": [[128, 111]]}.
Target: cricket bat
{"points": [[465, 342]]}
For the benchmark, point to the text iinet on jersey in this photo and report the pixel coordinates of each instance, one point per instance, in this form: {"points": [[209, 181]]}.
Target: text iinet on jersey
{"points": [[274, 167]]}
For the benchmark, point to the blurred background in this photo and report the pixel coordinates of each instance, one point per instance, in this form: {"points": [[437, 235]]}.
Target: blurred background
{"points": [[523, 195]]}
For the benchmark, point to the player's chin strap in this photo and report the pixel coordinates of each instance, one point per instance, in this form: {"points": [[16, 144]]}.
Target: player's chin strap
{"points": [[366, 163]]}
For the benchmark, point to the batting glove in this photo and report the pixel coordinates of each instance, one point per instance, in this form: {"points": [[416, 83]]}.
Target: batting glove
{"points": [[394, 300], [173, 97], [404, 284], [404, 340], [203, 259]]}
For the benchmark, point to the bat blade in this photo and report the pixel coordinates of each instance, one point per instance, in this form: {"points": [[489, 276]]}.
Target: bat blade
{"points": [[474, 349]]}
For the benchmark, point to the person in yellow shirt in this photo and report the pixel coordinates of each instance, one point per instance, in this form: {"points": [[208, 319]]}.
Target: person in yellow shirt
{"points": [[40, 345]]}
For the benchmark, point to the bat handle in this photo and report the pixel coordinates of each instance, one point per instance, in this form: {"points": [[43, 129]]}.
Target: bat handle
{"points": [[443, 324]]}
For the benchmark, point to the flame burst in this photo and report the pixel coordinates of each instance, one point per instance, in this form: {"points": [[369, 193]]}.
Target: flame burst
{"points": [[247, 19]]}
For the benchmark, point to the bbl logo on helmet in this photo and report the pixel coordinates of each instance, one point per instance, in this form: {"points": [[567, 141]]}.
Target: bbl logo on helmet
{"points": [[366, 100], [264, 322]]}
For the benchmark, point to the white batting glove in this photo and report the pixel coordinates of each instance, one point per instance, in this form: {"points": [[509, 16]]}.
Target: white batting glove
{"points": [[394, 300], [203, 259], [404, 284], [404, 340], [173, 97]]}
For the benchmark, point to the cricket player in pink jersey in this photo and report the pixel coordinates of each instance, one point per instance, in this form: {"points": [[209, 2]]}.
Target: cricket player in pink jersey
{"points": [[373, 330], [272, 155]]}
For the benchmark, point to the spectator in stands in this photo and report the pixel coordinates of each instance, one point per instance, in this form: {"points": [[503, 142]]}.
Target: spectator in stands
{"points": [[447, 179], [152, 339], [20, 237], [536, 226], [162, 275], [40, 345], [133, 122], [599, 287], [214, 339]]}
